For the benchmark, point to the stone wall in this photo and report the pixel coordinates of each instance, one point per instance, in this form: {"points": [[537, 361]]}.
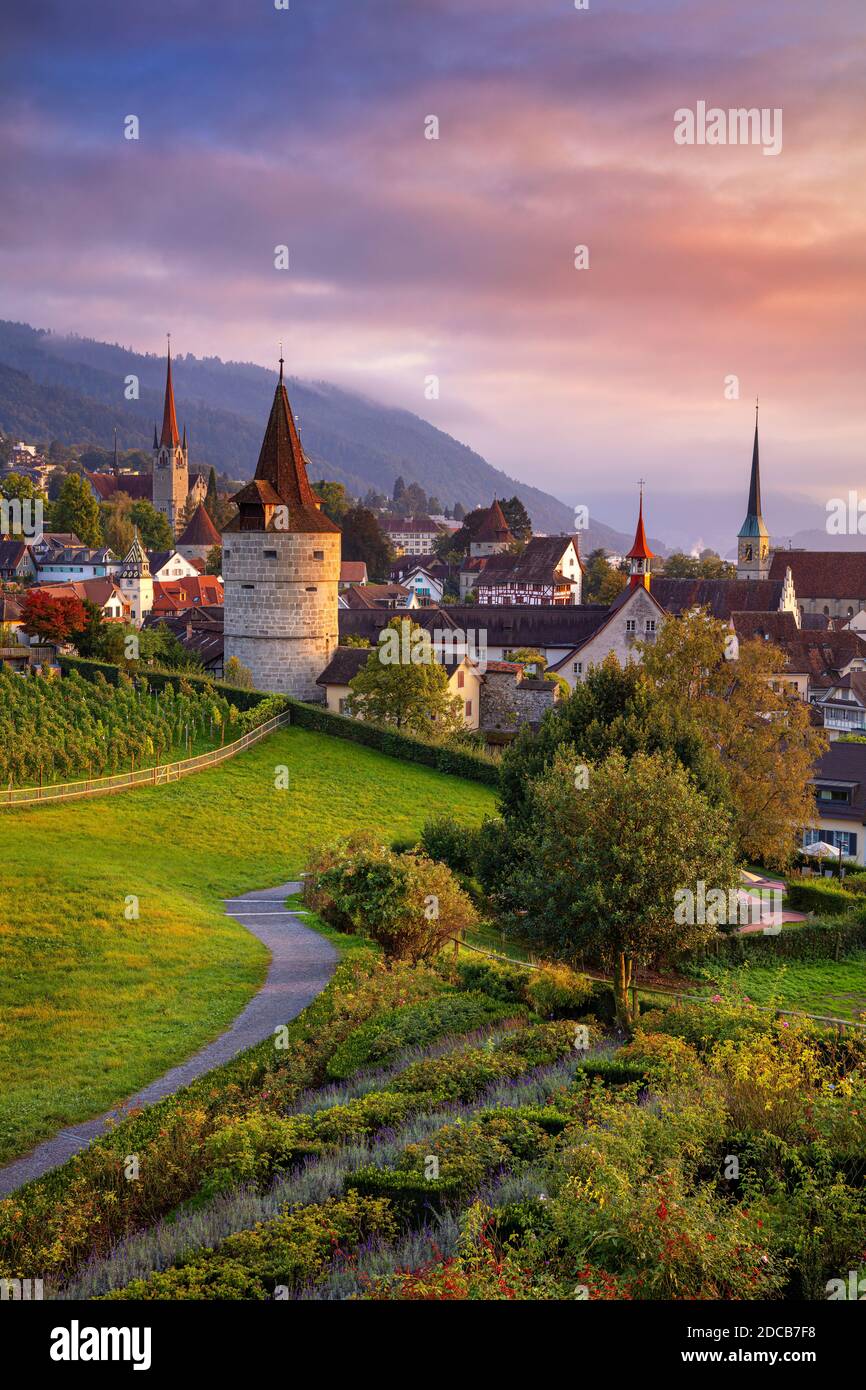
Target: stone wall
{"points": [[281, 607]]}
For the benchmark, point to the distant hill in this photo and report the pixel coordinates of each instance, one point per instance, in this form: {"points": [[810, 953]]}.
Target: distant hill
{"points": [[71, 389]]}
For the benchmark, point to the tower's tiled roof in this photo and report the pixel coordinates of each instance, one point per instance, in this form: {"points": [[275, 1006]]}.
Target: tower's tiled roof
{"points": [[494, 527], [281, 473], [200, 530], [830, 574]]}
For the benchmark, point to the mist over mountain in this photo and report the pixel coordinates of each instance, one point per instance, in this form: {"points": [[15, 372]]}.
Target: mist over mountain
{"points": [[72, 389]]}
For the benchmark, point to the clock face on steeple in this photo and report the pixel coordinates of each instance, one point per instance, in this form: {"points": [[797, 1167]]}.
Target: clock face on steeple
{"points": [[747, 552]]}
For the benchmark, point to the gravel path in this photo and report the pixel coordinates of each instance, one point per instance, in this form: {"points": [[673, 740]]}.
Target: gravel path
{"points": [[302, 963]]}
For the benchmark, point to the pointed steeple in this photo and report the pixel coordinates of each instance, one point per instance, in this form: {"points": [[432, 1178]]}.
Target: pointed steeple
{"points": [[280, 479], [115, 470], [754, 522], [135, 560], [281, 460], [183, 445], [640, 554], [169, 436], [155, 440]]}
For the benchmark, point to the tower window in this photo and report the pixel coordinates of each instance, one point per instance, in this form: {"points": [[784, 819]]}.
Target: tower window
{"points": [[270, 554], [318, 554], [311, 589], [248, 586]]}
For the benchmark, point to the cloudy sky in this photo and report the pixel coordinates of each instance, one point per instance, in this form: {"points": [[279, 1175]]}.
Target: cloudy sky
{"points": [[412, 257]]}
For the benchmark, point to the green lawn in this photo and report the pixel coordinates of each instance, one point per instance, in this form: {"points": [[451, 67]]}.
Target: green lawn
{"points": [[836, 988], [93, 1006]]}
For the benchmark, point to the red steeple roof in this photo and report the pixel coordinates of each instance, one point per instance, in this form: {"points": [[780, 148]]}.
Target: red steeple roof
{"points": [[170, 435], [640, 550], [493, 526], [200, 530]]}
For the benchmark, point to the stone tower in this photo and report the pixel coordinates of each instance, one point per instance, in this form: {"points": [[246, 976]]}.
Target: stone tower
{"points": [[753, 541], [170, 461], [281, 568]]}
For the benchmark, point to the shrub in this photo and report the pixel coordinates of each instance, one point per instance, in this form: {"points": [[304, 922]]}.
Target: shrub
{"points": [[704, 1025], [376, 1042], [409, 904], [556, 990], [662, 1056], [504, 983], [446, 840], [820, 895]]}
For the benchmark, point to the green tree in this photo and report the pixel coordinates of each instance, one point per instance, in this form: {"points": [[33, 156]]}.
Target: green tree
{"points": [[518, 518], [18, 485], [214, 560], [602, 583], [364, 539], [153, 526], [211, 498], [335, 501], [614, 853], [238, 675], [77, 510], [402, 684]]}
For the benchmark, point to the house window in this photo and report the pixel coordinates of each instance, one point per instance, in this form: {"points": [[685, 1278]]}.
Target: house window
{"points": [[840, 839], [461, 679], [631, 625], [650, 624], [578, 668], [468, 709]]}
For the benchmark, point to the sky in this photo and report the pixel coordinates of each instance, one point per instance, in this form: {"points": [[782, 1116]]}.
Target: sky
{"points": [[412, 258]]}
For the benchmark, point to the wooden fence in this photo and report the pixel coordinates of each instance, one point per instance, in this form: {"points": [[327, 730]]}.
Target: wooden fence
{"points": [[141, 777]]}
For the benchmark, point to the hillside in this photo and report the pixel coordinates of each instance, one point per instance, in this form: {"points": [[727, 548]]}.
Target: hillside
{"points": [[71, 389]]}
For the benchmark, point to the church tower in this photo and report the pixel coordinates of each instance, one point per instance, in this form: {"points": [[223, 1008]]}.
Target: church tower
{"points": [[136, 581], [640, 554], [170, 461], [281, 568], [753, 542]]}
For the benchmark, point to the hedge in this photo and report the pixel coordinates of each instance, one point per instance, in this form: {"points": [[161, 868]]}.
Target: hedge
{"points": [[454, 761], [819, 895], [812, 941]]}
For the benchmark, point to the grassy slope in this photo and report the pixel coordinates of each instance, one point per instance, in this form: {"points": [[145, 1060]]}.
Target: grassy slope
{"points": [[834, 988], [93, 1006]]}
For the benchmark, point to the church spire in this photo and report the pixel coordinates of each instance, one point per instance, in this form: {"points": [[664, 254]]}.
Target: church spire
{"points": [[753, 540], [169, 436], [640, 554], [115, 470]]}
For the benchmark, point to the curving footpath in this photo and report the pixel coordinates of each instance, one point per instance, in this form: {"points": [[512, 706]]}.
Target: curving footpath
{"points": [[302, 963]]}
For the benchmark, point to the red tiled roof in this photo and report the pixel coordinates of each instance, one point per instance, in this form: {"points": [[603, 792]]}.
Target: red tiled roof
{"points": [[97, 591], [175, 595], [200, 530], [493, 526], [138, 486], [353, 572], [640, 550], [830, 574], [409, 525]]}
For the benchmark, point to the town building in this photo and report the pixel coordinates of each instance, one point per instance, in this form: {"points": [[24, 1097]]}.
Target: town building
{"points": [[411, 535], [378, 596], [464, 681], [199, 536], [753, 541], [135, 581], [548, 570], [167, 565], [16, 562], [281, 568]]}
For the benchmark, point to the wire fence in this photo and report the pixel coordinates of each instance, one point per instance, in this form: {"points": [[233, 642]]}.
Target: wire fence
{"points": [[141, 777], [679, 996]]}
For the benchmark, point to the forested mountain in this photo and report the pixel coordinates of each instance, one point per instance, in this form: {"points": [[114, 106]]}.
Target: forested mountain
{"points": [[72, 389]]}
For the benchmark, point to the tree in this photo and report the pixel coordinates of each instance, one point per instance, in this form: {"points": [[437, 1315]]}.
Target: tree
{"points": [[399, 488], [402, 684], [707, 565], [612, 857], [238, 675], [354, 639], [153, 526], [434, 506], [211, 498], [762, 737], [335, 502], [77, 510], [214, 560], [518, 518], [52, 617], [602, 583], [364, 539], [459, 511], [18, 485], [117, 529]]}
